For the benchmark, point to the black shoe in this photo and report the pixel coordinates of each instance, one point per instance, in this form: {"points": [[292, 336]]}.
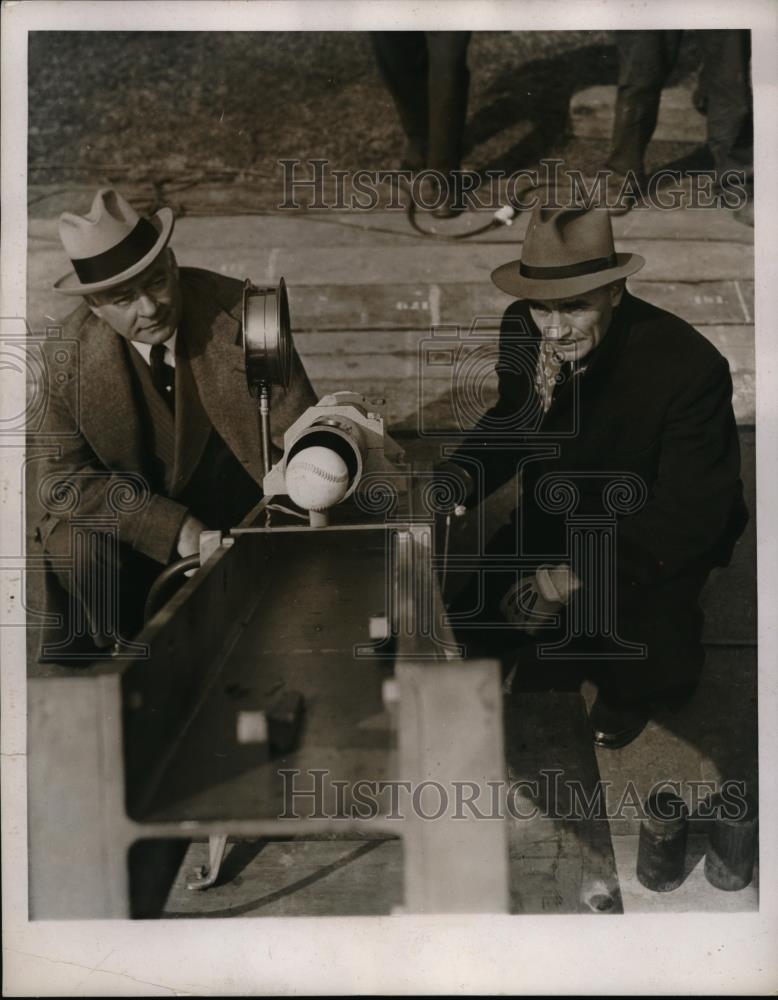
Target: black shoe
{"points": [[614, 726]]}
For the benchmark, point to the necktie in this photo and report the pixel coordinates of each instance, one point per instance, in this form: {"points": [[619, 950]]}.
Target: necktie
{"points": [[550, 372], [162, 375]]}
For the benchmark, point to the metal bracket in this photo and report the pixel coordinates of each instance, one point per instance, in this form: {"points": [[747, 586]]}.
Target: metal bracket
{"points": [[211, 541], [206, 875]]}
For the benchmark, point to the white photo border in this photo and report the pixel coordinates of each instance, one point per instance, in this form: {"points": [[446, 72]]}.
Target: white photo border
{"points": [[661, 954]]}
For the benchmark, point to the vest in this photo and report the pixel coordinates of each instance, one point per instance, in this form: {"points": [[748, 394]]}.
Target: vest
{"points": [[190, 463]]}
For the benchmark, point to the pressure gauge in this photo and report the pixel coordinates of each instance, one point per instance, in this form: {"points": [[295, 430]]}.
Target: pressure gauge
{"points": [[267, 337]]}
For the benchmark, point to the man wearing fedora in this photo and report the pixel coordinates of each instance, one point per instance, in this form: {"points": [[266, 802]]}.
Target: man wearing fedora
{"points": [[616, 416], [155, 427]]}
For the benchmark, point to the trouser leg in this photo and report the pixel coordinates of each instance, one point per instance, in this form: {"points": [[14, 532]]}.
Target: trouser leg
{"points": [[645, 61], [401, 57], [725, 80], [447, 88], [478, 623], [105, 584], [667, 620]]}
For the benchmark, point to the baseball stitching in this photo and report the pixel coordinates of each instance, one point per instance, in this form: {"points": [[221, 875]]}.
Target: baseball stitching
{"points": [[309, 467]]}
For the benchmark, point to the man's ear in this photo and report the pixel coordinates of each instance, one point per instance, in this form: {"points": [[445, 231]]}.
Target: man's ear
{"points": [[93, 304], [616, 289]]}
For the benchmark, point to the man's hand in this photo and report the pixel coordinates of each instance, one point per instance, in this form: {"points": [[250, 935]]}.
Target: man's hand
{"points": [[538, 596], [558, 583], [188, 541]]}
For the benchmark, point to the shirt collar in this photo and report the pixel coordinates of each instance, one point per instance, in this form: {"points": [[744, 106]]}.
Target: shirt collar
{"points": [[169, 356]]}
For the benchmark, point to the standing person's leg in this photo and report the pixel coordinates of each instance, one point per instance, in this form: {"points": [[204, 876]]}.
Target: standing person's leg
{"points": [[448, 83], [645, 61], [401, 57], [726, 83]]}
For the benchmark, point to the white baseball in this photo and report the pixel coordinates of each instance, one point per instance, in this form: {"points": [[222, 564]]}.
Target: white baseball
{"points": [[316, 478]]}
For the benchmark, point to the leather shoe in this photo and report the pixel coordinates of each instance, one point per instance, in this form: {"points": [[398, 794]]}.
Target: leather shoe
{"points": [[614, 726]]}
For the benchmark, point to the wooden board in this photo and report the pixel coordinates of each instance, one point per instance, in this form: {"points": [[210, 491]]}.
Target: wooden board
{"points": [[398, 353], [555, 866], [300, 637], [390, 227], [294, 878], [78, 832], [419, 305], [696, 260], [591, 115], [703, 302], [692, 743], [560, 861], [355, 276], [666, 260]]}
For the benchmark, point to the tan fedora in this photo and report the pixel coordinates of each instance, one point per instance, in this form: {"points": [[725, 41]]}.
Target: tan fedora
{"points": [[110, 244], [566, 251]]}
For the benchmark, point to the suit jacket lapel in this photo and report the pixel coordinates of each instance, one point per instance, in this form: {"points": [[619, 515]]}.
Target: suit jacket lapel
{"points": [[216, 358], [108, 416], [192, 424]]}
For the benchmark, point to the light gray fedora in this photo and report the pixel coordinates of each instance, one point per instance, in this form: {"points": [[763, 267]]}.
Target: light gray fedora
{"points": [[110, 244]]}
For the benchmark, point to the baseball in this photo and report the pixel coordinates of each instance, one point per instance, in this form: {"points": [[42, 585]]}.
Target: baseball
{"points": [[316, 478]]}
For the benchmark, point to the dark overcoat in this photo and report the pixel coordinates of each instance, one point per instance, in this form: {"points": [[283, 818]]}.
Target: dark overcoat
{"points": [[649, 412]]}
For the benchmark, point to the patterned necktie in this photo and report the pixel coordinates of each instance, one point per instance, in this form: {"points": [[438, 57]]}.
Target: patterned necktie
{"points": [[162, 375], [550, 372]]}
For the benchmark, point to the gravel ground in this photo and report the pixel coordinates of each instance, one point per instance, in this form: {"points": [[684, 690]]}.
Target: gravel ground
{"points": [[182, 110]]}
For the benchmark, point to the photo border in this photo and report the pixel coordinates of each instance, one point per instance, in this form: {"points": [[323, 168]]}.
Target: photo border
{"points": [[663, 953]]}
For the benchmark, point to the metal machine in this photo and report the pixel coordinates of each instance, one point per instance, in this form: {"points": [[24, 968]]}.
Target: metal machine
{"points": [[309, 641], [311, 647]]}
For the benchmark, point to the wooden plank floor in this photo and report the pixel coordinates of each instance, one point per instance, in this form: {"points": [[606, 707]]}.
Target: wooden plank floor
{"points": [[365, 289], [558, 862], [364, 292]]}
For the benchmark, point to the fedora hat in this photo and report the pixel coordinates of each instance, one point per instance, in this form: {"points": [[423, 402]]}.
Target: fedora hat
{"points": [[110, 244], [566, 251]]}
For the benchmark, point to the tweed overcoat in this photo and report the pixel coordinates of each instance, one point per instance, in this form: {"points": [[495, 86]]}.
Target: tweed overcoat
{"points": [[93, 430]]}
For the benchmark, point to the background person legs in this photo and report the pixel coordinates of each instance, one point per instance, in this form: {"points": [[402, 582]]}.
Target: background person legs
{"points": [[401, 57], [726, 85], [427, 76], [646, 59], [448, 85]]}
